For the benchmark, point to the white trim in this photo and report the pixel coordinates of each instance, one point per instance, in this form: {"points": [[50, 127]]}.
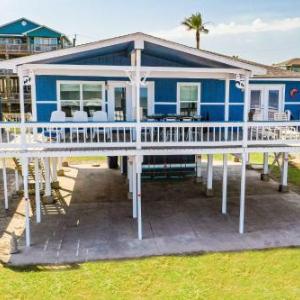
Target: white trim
{"points": [[275, 79], [179, 85], [165, 103], [46, 102], [292, 103], [213, 103], [80, 82]]}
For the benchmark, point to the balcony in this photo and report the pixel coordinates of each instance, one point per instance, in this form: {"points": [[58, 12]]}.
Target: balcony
{"points": [[24, 49], [146, 135]]}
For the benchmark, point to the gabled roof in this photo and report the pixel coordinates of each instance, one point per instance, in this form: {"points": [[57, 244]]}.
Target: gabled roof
{"points": [[18, 27], [136, 37], [26, 27]]}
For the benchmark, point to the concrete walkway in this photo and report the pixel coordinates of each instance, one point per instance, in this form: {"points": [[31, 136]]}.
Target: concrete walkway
{"points": [[93, 218]]}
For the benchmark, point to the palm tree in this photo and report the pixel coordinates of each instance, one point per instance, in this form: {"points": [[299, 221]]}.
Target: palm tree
{"points": [[195, 22]]}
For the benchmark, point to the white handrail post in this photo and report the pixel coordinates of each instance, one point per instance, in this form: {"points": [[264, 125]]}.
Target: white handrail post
{"points": [[226, 108], [27, 200], [198, 169], [134, 188]]}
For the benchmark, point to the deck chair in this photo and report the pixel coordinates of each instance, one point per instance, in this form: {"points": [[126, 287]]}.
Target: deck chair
{"points": [[286, 132], [80, 116], [57, 116], [99, 116]]}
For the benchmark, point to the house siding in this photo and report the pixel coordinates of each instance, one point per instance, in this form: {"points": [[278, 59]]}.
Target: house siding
{"points": [[212, 96]]}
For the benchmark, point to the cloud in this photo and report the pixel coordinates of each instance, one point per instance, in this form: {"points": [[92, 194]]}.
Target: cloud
{"points": [[233, 28]]}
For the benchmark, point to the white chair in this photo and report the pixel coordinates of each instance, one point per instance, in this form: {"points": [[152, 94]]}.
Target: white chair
{"points": [[99, 116], [80, 116], [57, 132]]}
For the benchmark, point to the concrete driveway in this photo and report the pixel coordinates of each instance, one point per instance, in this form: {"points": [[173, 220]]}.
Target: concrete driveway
{"points": [[92, 219]]}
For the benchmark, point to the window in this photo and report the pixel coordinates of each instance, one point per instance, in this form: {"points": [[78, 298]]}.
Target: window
{"points": [[86, 96], [188, 99], [274, 99], [144, 102], [45, 41], [255, 99]]}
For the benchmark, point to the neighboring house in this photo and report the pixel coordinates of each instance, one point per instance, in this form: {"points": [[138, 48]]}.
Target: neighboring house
{"points": [[160, 98], [291, 65], [20, 38]]}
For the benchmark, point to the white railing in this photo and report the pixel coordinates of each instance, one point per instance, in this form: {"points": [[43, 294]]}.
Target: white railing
{"points": [[203, 134], [265, 133], [71, 135]]}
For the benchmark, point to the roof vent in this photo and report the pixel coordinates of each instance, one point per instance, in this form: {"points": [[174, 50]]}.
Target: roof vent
{"points": [[24, 23]]}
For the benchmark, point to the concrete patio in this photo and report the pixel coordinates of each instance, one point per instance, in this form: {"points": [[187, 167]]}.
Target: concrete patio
{"points": [[92, 220]]}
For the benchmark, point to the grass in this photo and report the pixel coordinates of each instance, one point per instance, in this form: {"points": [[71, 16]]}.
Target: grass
{"points": [[86, 159], [269, 274]]}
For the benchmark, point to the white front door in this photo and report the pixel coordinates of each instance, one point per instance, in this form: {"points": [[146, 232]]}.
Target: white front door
{"points": [[265, 100], [119, 101]]}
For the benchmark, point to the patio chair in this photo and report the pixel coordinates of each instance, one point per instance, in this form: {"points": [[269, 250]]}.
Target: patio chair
{"points": [[80, 116], [57, 116], [99, 116]]}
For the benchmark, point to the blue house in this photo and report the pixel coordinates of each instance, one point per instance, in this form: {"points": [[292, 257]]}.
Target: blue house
{"points": [[136, 96]]}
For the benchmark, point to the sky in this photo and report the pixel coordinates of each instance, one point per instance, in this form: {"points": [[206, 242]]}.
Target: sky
{"points": [[266, 31]]}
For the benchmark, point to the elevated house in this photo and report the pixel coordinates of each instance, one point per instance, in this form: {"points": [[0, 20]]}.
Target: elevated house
{"points": [[138, 96], [292, 64], [20, 38]]}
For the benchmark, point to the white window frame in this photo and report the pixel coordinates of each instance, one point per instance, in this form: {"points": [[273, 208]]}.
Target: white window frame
{"points": [[265, 88], [81, 83], [179, 85]]}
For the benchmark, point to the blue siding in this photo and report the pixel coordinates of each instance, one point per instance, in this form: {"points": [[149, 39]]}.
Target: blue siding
{"points": [[295, 111], [236, 95], [213, 112], [165, 109], [17, 27], [44, 32], [44, 111], [236, 112]]}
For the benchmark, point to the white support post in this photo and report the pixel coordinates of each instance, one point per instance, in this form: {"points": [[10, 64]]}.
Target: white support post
{"points": [[22, 107], [5, 183], [137, 94], [139, 160], [27, 201], [54, 169], [246, 110], [37, 191], [284, 173], [265, 174], [209, 185], [243, 194], [134, 188], [198, 169], [121, 165], [224, 186], [17, 180], [129, 176], [60, 170]]}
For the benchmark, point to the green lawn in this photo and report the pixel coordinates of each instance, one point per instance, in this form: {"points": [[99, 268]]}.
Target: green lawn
{"points": [[270, 274]]}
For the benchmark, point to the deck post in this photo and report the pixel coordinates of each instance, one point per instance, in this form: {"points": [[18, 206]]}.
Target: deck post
{"points": [[60, 170], [47, 196], [246, 110], [130, 179], [55, 183], [17, 180], [5, 183], [27, 201], [209, 185], [265, 174], [37, 190], [283, 187], [224, 186], [137, 94], [243, 193], [134, 188], [198, 169], [139, 161]]}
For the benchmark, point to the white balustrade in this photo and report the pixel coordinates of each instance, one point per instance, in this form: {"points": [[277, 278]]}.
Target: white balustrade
{"points": [[153, 134]]}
